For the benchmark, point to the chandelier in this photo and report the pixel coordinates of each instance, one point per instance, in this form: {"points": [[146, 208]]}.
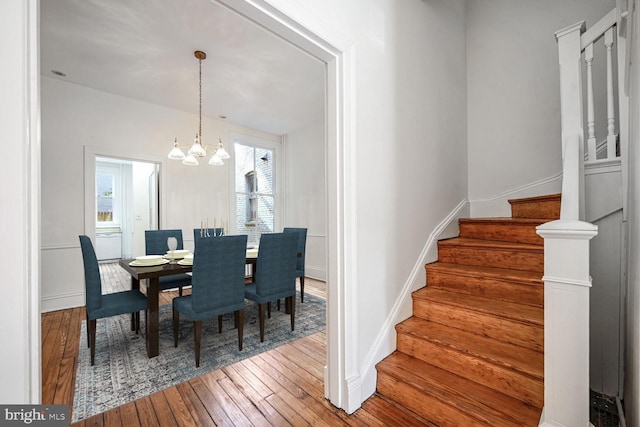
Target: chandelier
{"points": [[198, 149]]}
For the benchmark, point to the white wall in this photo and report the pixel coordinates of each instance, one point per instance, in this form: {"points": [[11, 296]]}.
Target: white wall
{"points": [[407, 127], [305, 193], [74, 116], [514, 96], [632, 362]]}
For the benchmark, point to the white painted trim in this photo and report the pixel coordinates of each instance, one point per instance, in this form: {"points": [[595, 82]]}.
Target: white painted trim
{"points": [[563, 281], [598, 29], [57, 247], [571, 230], [62, 301], [20, 179], [90, 154], [602, 166], [336, 51], [498, 205], [315, 272], [579, 26], [514, 191], [385, 342], [33, 172]]}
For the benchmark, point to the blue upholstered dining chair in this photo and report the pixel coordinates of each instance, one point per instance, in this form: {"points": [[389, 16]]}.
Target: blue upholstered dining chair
{"points": [[99, 306], [155, 242], [213, 232], [302, 244], [217, 287], [275, 274]]}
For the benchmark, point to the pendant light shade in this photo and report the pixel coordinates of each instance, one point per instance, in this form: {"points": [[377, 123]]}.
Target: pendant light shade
{"points": [[176, 153]]}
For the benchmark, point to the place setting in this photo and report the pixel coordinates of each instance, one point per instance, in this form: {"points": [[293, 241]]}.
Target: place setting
{"points": [[149, 261]]}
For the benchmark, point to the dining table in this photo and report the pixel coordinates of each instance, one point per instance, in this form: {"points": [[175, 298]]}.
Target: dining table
{"points": [[152, 276]]}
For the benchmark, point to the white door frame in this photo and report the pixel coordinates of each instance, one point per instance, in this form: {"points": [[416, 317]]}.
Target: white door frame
{"points": [[90, 154], [342, 376], [20, 187], [342, 373]]}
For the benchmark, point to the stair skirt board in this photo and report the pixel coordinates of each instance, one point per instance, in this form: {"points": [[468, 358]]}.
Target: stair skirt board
{"points": [[385, 343]]}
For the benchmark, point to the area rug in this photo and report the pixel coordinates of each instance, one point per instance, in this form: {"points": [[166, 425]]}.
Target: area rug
{"points": [[122, 371]]}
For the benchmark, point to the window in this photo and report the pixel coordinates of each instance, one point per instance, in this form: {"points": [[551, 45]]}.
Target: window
{"points": [[255, 192], [107, 187]]}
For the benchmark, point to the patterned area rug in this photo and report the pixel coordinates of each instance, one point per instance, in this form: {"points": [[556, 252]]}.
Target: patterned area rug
{"points": [[122, 371]]}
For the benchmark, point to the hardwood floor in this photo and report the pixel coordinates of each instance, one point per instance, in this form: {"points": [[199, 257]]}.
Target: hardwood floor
{"points": [[280, 387]]}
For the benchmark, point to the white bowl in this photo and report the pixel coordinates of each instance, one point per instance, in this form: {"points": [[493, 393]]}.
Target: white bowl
{"points": [[177, 254]]}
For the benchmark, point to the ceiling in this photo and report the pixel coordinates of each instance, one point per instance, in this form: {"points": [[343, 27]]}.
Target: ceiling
{"points": [[144, 50]]}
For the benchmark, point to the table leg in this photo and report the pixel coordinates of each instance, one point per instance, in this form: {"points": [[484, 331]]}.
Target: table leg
{"points": [[135, 284], [153, 318]]}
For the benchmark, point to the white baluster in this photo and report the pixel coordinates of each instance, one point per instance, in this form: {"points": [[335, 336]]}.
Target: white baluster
{"points": [[591, 121], [611, 113]]}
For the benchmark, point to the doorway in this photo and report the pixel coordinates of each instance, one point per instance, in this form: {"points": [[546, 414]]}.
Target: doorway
{"points": [[125, 206], [122, 200]]}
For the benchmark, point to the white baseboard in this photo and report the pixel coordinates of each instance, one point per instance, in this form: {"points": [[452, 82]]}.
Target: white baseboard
{"points": [[317, 273], [61, 301], [385, 342], [498, 205]]}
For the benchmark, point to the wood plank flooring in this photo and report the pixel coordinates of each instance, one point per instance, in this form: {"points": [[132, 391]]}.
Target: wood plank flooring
{"points": [[280, 387]]}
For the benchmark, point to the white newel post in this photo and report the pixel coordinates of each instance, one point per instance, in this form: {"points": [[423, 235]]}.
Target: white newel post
{"points": [[570, 61], [566, 322]]}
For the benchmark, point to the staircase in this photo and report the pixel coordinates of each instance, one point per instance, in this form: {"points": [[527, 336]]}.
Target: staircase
{"points": [[472, 354]]}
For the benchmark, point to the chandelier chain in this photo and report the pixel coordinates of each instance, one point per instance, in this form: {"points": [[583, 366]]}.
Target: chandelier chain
{"points": [[200, 100]]}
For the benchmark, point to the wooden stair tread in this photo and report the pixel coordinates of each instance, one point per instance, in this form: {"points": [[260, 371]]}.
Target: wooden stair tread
{"points": [[505, 220], [547, 206], [491, 244], [514, 357], [490, 407], [499, 308], [535, 199], [532, 277]]}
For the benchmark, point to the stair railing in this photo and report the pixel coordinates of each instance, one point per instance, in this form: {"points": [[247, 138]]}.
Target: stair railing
{"points": [[567, 278]]}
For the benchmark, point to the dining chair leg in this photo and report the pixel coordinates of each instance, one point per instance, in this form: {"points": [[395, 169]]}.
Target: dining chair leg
{"points": [[137, 316], [219, 323], [133, 321], [88, 333], [269, 310], [278, 304], [176, 322], [301, 288], [239, 314], [261, 315], [197, 334], [92, 335], [180, 291], [292, 306]]}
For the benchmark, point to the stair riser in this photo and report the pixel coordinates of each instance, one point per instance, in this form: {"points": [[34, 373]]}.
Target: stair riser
{"points": [[501, 329], [424, 404], [488, 287], [549, 209], [505, 380], [515, 233], [492, 257]]}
